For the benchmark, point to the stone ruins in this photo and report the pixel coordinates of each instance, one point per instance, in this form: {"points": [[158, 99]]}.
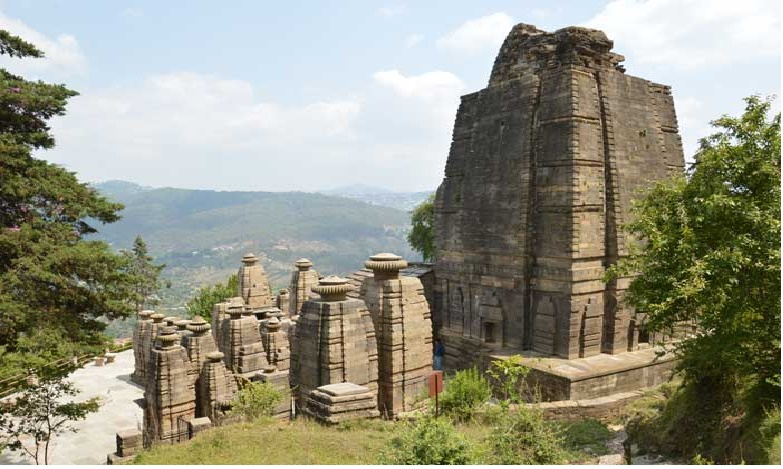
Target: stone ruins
{"points": [[543, 166], [330, 358], [542, 169]]}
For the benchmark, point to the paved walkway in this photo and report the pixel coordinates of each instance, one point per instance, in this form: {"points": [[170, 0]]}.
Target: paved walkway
{"points": [[96, 436]]}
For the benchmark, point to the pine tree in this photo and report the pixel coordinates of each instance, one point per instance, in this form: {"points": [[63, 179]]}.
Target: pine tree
{"points": [[51, 277], [145, 275]]}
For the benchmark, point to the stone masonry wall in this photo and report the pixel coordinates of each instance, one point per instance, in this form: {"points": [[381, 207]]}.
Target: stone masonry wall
{"points": [[543, 166]]}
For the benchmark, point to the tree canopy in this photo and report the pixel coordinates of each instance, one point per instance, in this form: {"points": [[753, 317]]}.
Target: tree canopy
{"points": [[145, 275], [711, 253], [51, 277], [422, 236], [205, 299]]}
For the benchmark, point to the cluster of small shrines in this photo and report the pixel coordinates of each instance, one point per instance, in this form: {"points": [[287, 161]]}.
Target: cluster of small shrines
{"points": [[543, 168], [332, 356]]}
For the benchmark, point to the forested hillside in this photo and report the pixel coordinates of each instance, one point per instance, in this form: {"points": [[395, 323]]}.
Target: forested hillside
{"points": [[201, 235]]}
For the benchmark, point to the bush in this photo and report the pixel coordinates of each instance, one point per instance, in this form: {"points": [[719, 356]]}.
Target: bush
{"points": [[464, 393], [429, 441], [256, 400], [525, 437]]}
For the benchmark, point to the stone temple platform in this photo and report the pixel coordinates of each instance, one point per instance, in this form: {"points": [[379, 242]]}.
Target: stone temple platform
{"points": [[602, 375]]}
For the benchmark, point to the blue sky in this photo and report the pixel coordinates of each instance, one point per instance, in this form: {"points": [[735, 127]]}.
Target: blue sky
{"points": [[268, 96]]}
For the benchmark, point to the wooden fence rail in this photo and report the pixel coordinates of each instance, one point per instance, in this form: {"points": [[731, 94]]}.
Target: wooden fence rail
{"points": [[16, 383]]}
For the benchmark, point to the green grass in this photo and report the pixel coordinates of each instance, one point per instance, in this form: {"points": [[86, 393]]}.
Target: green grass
{"points": [[270, 442], [359, 442], [585, 438]]}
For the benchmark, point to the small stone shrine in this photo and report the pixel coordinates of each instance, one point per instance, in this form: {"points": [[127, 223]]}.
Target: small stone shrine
{"points": [[169, 396], [142, 323], [216, 388], [253, 285], [335, 340], [199, 343], [303, 279], [403, 330]]}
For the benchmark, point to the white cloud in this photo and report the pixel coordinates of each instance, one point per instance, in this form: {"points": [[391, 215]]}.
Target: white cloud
{"points": [[390, 11], [682, 33], [133, 12], [478, 35], [693, 120], [413, 39], [63, 56], [187, 129], [437, 85]]}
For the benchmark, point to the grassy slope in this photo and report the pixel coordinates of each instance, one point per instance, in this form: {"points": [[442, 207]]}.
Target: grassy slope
{"points": [[262, 442], [306, 442]]}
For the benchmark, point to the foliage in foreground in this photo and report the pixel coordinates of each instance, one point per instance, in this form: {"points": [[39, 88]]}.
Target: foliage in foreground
{"points": [[50, 274], [205, 299], [700, 424], [712, 257], [525, 437], [464, 393], [429, 441], [422, 235], [255, 400], [39, 414]]}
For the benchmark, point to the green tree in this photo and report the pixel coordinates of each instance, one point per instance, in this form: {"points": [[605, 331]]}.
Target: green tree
{"points": [[39, 414], [49, 273], [145, 275], [710, 255], [711, 251], [204, 300], [422, 236]]}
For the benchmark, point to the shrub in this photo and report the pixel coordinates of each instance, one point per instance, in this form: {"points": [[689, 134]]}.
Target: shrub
{"points": [[464, 393], [256, 400], [525, 437], [508, 378], [429, 441]]}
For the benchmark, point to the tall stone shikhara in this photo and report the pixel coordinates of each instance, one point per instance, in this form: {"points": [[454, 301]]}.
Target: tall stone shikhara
{"points": [[543, 166]]}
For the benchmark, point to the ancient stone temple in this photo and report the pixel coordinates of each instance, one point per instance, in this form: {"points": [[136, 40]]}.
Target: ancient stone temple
{"points": [[543, 166], [276, 345], [403, 330], [303, 279], [241, 341], [139, 368], [335, 340], [254, 283], [215, 389], [169, 395], [199, 343], [282, 301]]}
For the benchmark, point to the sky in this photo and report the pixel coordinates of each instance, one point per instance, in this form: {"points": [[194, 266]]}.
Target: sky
{"points": [[307, 96]]}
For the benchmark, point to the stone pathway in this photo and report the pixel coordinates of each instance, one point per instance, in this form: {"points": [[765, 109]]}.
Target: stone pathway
{"points": [[96, 436]]}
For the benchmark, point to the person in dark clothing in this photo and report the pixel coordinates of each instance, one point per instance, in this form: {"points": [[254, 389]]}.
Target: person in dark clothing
{"points": [[437, 356]]}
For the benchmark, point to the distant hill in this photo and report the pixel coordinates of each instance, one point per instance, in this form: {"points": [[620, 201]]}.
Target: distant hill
{"points": [[356, 189], [201, 235], [380, 196]]}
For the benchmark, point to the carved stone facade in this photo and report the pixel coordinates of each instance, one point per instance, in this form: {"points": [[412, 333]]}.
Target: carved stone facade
{"points": [[543, 166], [215, 389], [169, 395], [253, 285], [303, 279], [335, 340], [140, 364], [403, 329], [241, 341]]}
